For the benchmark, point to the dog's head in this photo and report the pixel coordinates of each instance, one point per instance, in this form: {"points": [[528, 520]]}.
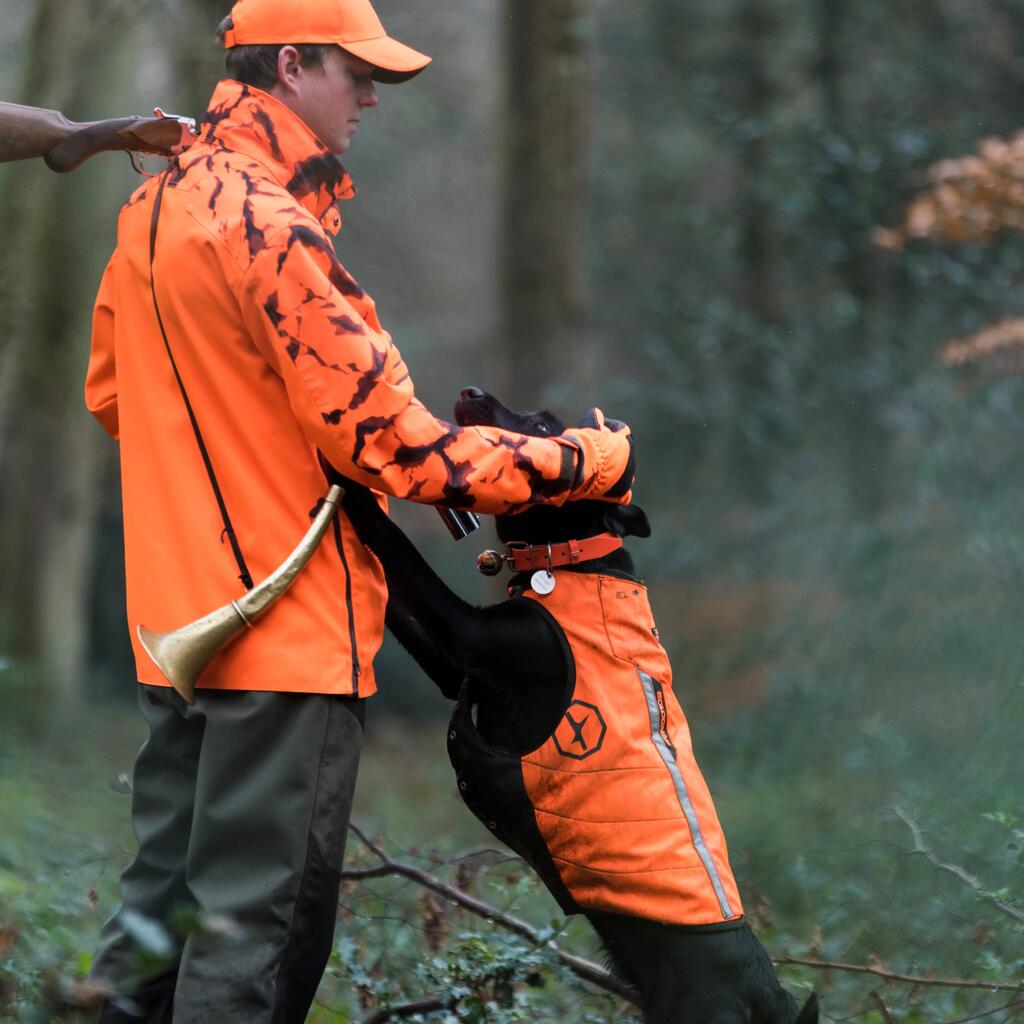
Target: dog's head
{"points": [[542, 524]]}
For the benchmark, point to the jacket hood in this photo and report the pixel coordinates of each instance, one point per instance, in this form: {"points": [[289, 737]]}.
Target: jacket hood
{"points": [[249, 121]]}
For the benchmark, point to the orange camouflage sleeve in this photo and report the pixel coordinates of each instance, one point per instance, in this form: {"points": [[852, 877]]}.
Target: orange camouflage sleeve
{"points": [[349, 388], [101, 376]]}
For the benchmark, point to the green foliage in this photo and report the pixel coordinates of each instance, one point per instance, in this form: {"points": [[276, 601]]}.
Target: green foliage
{"points": [[61, 850], [486, 977], [398, 944]]}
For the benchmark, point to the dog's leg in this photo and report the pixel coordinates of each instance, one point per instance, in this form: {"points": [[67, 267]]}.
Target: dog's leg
{"points": [[450, 638], [713, 975], [435, 661]]}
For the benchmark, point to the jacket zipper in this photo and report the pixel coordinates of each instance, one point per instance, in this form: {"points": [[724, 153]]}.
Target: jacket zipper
{"points": [[348, 602]]}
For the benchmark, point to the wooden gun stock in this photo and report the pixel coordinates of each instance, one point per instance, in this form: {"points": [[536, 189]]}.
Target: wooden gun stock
{"points": [[30, 132]]}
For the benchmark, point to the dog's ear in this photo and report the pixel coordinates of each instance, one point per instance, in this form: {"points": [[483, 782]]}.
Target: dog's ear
{"points": [[627, 521]]}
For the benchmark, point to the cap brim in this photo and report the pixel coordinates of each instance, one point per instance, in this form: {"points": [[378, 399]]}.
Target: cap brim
{"points": [[393, 62]]}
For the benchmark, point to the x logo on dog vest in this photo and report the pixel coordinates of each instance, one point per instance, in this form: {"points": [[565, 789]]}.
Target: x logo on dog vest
{"points": [[577, 728], [581, 735]]}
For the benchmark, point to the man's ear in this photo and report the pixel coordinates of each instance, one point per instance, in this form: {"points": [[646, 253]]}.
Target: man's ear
{"points": [[289, 64], [627, 521]]}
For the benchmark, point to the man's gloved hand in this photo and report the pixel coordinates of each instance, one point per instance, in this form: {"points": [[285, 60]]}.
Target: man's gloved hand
{"points": [[606, 463]]}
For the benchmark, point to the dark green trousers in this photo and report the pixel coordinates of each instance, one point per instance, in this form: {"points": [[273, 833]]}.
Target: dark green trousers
{"points": [[240, 807]]}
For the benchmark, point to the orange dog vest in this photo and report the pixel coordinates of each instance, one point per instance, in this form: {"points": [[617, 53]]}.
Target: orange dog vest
{"points": [[611, 810]]}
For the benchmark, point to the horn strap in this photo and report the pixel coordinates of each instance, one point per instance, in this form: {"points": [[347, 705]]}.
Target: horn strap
{"points": [[229, 530], [523, 557]]}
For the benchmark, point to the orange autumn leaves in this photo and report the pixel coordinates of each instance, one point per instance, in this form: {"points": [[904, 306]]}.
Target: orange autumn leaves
{"points": [[971, 199], [999, 347]]}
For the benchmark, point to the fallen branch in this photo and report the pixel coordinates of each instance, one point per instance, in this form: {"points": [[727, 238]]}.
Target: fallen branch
{"points": [[955, 870], [905, 979], [587, 970], [1015, 1005], [883, 1009], [430, 1004]]}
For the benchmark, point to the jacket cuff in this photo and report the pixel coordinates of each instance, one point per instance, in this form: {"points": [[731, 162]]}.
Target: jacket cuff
{"points": [[604, 468]]}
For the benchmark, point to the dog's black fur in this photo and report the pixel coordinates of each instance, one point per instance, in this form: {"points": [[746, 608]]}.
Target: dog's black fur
{"points": [[517, 669]]}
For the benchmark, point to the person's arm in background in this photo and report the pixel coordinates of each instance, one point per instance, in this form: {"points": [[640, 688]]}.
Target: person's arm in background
{"points": [[350, 390]]}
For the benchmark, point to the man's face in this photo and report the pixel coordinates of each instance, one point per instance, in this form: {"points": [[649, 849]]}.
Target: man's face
{"points": [[330, 98]]}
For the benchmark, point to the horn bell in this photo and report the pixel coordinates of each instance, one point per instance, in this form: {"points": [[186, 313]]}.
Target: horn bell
{"points": [[182, 654]]}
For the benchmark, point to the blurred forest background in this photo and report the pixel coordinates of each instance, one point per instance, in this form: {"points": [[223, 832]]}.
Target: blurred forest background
{"points": [[669, 209]]}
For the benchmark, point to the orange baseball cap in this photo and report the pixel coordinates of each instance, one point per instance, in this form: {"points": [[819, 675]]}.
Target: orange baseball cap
{"points": [[350, 24]]}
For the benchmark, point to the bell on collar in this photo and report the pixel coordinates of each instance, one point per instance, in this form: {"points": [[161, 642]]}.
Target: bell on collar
{"points": [[490, 563]]}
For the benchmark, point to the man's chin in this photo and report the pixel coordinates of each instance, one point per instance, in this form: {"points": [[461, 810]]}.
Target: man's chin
{"points": [[336, 146]]}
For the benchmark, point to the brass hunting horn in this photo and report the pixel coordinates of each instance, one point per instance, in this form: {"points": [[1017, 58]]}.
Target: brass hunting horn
{"points": [[182, 654]]}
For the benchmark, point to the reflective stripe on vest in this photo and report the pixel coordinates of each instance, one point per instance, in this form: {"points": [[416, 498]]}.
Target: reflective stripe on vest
{"points": [[659, 736]]}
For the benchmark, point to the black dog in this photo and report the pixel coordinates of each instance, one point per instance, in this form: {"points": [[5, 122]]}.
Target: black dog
{"points": [[514, 674]]}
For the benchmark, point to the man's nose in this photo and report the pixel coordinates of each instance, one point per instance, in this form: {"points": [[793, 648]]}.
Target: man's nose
{"points": [[368, 96]]}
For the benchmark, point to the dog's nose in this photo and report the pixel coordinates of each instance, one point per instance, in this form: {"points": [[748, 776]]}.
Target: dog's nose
{"points": [[471, 394]]}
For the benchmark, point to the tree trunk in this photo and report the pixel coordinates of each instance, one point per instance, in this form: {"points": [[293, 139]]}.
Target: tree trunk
{"points": [[543, 259], [758, 291], [864, 437], [32, 305], [49, 272], [27, 201], [198, 58], [67, 563]]}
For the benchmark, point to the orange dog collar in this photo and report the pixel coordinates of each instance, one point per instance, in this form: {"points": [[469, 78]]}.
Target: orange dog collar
{"points": [[522, 557]]}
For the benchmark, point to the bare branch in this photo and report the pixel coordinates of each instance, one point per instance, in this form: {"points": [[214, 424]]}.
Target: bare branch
{"points": [[883, 1009], [906, 979], [587, 970], [480, 851], [363, 874], [373, 847], [955, 870], [429, 1004], [1016, 1005]]}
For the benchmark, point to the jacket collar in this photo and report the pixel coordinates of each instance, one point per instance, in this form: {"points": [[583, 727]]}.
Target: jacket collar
{"points": [[249, 121]]}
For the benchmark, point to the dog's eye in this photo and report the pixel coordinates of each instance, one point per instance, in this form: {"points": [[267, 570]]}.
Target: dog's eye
{"points": [[542, 428]]}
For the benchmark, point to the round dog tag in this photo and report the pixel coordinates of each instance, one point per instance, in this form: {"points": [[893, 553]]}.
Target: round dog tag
{"points": [[542, 582]]}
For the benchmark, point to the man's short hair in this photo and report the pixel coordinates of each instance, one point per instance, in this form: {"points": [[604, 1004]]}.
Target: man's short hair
{"points": [[257, 65]]}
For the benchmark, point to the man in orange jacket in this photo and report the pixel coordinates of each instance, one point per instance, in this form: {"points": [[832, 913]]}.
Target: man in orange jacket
{"points": [[230, 352]]}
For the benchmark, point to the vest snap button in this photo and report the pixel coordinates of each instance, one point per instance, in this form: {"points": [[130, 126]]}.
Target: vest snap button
{"points": [[493, 826], [451, 735], [462, 785]]}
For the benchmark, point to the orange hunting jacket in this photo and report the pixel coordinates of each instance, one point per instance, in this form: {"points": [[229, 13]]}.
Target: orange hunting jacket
{"points": [[612, 810], [282, 355]]}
